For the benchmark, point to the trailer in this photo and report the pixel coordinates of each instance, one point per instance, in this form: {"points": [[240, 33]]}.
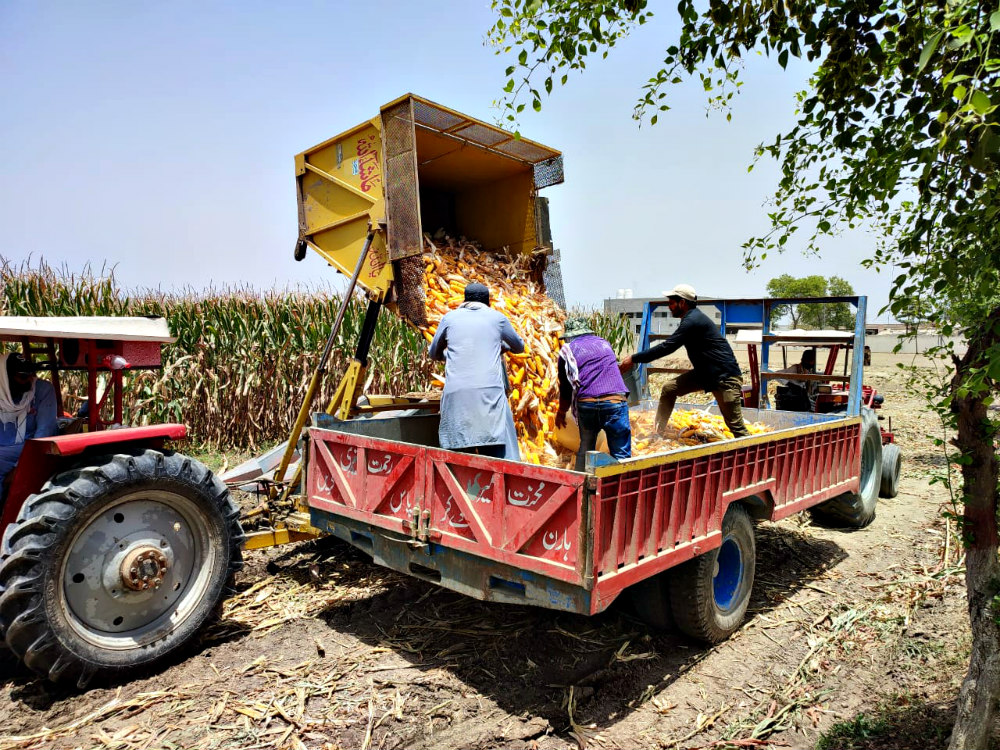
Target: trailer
{"points": [[679, 524]]}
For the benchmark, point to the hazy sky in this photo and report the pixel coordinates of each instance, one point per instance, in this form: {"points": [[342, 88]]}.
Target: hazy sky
{"points": [[159, 138]]}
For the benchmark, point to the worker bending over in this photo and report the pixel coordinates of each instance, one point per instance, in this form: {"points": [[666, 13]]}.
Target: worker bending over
{"points": [[27, 410], [714, 367], [590, 382], [475, 413]]}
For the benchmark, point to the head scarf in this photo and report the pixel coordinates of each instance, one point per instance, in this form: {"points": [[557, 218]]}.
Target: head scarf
{"points": [[575, 327], [9, 410]]}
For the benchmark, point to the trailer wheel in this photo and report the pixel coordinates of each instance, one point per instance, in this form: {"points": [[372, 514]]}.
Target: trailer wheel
{"points": [[650, 600], [857, 509], [116, 565], [710, 594], [892, 464]]}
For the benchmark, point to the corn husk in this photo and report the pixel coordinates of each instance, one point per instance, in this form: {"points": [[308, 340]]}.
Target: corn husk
{"points": [[450, 264]]}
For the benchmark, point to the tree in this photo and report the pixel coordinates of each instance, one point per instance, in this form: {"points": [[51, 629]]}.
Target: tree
{"points": [[899, 128], [827, 315], [839, 315], [789, 286]]}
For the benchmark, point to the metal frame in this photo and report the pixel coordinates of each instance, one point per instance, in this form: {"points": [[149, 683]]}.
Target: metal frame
{"points": [[757, 312]]}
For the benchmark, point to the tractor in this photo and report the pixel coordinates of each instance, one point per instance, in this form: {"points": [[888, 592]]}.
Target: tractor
{"points": [[115, 549]]}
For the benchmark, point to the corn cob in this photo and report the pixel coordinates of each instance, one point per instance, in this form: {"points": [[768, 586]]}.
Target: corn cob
{"points": [[449, 265]]}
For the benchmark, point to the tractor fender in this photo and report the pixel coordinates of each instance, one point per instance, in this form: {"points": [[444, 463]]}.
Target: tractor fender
{"points": [[42, 458]]}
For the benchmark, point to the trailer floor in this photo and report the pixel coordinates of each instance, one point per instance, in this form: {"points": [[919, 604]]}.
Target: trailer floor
{"points": [[855, 639]]}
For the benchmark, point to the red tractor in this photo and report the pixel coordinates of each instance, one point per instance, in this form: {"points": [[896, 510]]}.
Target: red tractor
{"points": [[832, 395], [115, 549]]}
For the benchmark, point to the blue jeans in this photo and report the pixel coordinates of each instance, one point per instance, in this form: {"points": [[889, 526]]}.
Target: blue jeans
{"points": [[608, 416]]}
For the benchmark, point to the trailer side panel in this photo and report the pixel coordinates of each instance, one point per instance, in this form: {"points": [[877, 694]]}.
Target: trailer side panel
{"points": [[652, 514], [530, 518]]}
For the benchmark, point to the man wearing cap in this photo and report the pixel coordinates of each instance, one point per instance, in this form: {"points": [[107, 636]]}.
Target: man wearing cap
{"points": [[475, 413], [27, 409], [590, 382], [714, 367]]}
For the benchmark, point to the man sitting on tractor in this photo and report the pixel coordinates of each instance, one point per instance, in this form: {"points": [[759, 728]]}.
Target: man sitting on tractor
{"points": [[798, 395], [27, 410]]}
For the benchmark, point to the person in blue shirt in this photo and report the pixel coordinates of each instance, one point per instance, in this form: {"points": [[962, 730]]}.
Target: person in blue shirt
{"points": [[27, 409]]}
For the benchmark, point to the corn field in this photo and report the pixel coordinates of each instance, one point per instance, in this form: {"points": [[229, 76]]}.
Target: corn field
{"points": [[242, 360], [614, 328]]}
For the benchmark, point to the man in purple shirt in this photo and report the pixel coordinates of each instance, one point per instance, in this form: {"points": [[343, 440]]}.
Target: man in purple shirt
{"points": [[590, 382]]}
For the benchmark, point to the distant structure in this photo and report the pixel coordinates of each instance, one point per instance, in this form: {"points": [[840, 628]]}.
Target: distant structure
{"points": [[631, 307]]}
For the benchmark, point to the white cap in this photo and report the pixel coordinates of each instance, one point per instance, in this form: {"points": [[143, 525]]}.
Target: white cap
{"points": [[684, 291]]}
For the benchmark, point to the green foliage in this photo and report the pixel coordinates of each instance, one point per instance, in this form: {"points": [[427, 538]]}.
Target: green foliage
{"points": [[898, 723], [854, 733], [552, 36], [242, 360], [822, 316], [898, 131], [615, 328]]}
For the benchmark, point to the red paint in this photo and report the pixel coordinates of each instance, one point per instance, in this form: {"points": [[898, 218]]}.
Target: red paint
{"points": [[68, 445], [540, 519], [44, 457], [368, 167]]}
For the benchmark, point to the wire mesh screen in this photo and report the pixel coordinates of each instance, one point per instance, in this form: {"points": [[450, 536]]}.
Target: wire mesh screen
{"points": [[402, 200], [523, 150], [554, 280], [549, 172], [410, 289], [434, 117]]}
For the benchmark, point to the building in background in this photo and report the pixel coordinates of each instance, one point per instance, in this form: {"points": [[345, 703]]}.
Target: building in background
{"points": [[631, 307]]}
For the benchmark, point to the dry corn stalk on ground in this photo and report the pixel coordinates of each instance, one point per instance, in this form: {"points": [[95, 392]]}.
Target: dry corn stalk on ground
{"points": [[449, 265]]}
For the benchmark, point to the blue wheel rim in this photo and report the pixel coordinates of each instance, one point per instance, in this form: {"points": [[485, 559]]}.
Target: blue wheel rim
{"points": [[728, 574]]}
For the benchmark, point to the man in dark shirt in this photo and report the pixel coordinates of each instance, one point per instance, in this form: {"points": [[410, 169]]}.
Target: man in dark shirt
{"points": [[714, 366]]}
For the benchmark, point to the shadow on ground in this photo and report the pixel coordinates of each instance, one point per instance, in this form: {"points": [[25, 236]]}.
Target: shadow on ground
{"points": [[526, 659], [898, 724]]}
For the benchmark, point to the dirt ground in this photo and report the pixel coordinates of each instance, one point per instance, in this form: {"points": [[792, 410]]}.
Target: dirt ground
{"points": [[854, 639]]}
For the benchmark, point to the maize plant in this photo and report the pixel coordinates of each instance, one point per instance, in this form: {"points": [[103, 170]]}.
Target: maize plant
{"points": [[243, 358]]}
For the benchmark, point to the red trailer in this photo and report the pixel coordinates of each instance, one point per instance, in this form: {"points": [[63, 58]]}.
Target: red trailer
{"points": [[680, 523]]}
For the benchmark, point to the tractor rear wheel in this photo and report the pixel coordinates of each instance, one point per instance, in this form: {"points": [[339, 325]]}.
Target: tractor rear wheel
{"points": [[115, 565], [892, 464], [857, 509]]}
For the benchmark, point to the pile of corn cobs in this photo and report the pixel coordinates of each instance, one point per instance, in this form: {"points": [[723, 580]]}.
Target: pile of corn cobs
{"points": [[534, 398]]}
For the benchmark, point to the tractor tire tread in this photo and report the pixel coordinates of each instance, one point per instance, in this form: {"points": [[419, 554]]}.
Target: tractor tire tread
{"points": [[857, 509], [24, 627], [691, 587]]}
